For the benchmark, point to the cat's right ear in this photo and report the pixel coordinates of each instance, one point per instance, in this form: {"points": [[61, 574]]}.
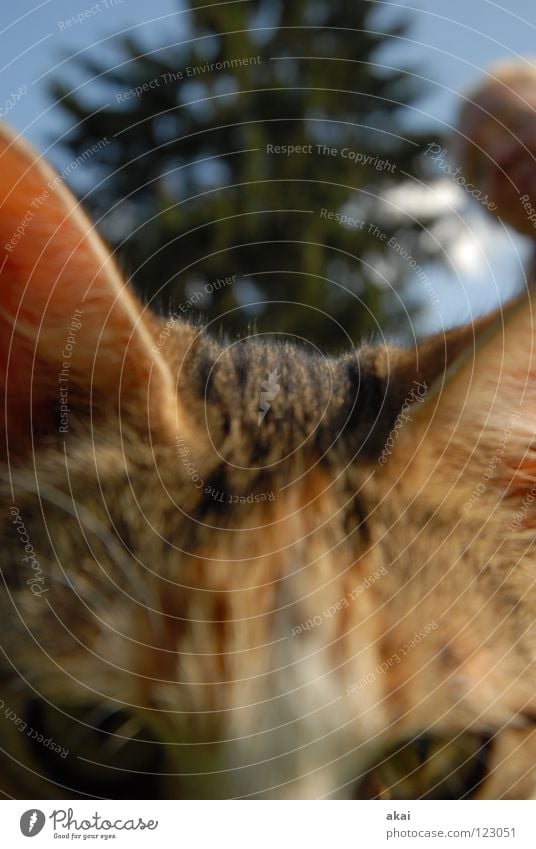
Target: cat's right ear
{"points": [[72, 335]]}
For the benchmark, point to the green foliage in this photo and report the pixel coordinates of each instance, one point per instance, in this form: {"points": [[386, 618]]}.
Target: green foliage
{"points": [[189, 193]]}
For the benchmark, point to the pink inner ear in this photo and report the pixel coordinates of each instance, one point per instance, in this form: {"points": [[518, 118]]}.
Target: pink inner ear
{"points": [[50, 250], [53, 264], [48, 263]]}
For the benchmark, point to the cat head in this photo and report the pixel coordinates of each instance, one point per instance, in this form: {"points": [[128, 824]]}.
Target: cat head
{"points": [[239, 568]]}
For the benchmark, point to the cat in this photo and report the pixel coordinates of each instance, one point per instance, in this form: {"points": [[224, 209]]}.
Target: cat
{"points": [[240, 569]]}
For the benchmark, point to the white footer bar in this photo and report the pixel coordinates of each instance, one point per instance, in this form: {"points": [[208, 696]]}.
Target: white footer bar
{"points": [[269, 825]]}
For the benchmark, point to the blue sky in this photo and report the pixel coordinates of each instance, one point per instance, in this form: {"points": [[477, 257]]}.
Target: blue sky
{"points": [[450, 43], [35, 39]]}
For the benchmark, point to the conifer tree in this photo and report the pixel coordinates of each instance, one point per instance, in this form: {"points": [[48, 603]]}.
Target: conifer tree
{"points": [[232, 154]]}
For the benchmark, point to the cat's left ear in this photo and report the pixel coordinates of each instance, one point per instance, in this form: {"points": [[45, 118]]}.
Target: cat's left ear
{"points": [[480, 407], [68, 321]]}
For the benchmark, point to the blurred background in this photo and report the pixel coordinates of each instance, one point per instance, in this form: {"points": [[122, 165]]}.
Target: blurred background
{"points": [[265, 166]]}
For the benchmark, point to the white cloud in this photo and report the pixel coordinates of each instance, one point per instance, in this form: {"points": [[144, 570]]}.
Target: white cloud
{"points": [[416, 200]]}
